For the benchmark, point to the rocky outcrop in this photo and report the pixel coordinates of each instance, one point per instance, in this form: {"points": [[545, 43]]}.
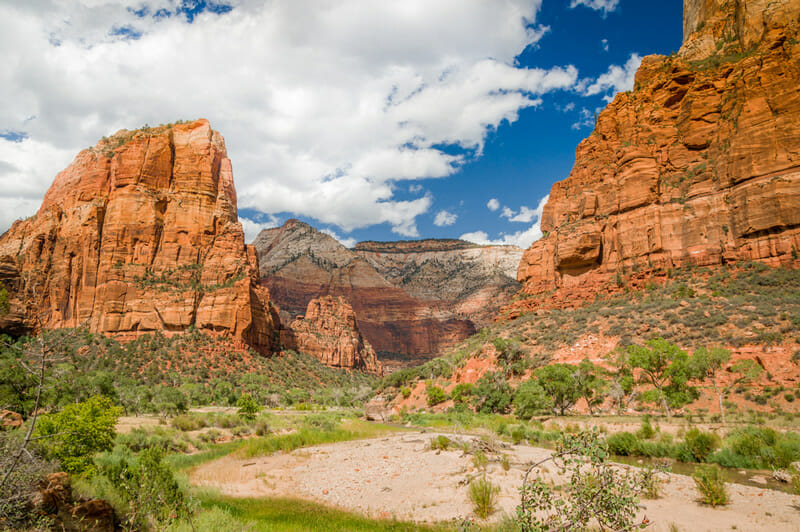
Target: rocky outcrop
{"points": [[328, 331], [412, 299], [54, 500], [140, 234], [698, 165]]}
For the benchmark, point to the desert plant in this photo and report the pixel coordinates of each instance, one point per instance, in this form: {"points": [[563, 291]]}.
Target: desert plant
{"points": [[710, 482], [480, 460], [609, 497], [440, 443], [505, 462], [435, 395], [483, 494], [701, 444], [248, 408], [710, 362], [531, 399]]}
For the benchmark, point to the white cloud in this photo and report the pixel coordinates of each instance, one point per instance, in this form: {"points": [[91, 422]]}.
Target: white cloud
{"points": [[324, 106], [253, 228], [346, 242], [445, 218], [521, 239], [525, 214], [493, 204], [604, 44], [617, 79], [606, 6]]}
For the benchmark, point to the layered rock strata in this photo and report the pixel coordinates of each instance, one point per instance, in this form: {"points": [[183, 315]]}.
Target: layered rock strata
{"points": [[140, 234], [413, 299], [698, 165], [329, 332]]}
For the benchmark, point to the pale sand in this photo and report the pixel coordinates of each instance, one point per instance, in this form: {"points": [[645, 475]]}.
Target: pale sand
{"points": [[399, 476]]}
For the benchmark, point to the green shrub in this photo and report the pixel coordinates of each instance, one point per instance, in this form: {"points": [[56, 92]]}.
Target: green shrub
{"points": [[623, 444], [492, 394], [646, 431], [710, 482], [73, 435], [148, 489], [185, 423], [701, 444], [248, 408], [405, 391], [517, 433], [435, 395], [480, 460], [462, 391], [483, 495], [440, 443]]}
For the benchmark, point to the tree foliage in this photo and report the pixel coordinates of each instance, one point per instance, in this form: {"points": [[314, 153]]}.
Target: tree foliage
{"points": [[710, 362], [592, 489], [666, 367], [4, 304], [531, 399], [492, 394], [73, 435], [558, 381]]}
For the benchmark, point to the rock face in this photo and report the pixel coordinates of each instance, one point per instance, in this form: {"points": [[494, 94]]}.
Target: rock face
{"points": [[698, 165], [329, 332], [412, 299], [139, 234]]}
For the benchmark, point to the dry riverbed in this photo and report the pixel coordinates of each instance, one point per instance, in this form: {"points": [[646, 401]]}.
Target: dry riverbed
{"points": [[399, 476]]}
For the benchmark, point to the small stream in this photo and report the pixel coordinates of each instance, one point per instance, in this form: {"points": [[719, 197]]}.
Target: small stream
{"points": [[758, 478]]}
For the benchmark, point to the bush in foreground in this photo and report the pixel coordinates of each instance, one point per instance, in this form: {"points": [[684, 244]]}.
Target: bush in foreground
{"points": [[483, 495], [710, 482]]}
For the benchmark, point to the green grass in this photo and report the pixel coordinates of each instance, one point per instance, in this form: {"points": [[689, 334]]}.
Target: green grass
{"points": [[282, 514]]}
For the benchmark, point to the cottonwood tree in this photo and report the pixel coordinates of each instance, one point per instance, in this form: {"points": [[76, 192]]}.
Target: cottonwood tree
{"points": [[590, 383], [558, 380], [666, 367], [711, 362]]}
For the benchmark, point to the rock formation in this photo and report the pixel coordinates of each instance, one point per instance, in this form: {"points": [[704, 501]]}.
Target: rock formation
{"points": [[413, 299], [139, 234], [698, 165], [329, 332]]}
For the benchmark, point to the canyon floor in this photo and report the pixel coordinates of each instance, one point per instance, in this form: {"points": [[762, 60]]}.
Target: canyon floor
{"points": [[399, 476]]}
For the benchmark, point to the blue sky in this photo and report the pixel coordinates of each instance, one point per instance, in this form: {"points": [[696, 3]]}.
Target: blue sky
{"points": [[373, 120]]}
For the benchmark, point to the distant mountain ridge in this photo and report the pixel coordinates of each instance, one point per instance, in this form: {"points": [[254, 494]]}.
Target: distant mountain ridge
{"points": [[412, 299]]}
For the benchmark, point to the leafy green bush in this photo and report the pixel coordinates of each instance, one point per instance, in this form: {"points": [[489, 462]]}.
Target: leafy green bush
{"points": [[440, 443], [701, 444], [710, 482], [492, 394], [435, 395], [462, 391], [148, 489], [623, 444], [73, 435], [248, 408], [483, 495], [185, 423]]}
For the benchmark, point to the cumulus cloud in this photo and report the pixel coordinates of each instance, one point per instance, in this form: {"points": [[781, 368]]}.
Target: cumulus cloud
{"points": [[325, 107], [493, 204], [606, 6], [445, 218], [521, 239], [346, 242], [604, 44], [616, 79], [525, 214], [252, 228]]}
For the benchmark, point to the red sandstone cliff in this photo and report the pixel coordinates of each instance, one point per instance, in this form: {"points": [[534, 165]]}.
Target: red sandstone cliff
{"points": [[139, 234], [699, 164], [329, 332]]}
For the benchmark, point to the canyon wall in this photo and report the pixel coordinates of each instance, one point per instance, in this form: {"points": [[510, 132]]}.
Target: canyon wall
{"points": [[412, 299], [140, 234], [698, 165]]}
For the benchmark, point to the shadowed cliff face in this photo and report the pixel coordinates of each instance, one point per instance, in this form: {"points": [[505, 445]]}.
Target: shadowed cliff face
{"points": [[698, 165], [140, 234], [411, 298]]}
